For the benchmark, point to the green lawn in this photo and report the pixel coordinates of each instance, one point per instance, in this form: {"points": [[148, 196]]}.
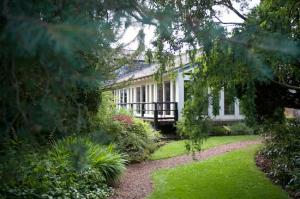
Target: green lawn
{"points": [[233, 175], [176, 148]]}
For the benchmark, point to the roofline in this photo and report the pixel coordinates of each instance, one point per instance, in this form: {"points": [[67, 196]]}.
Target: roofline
{"points": [[179, 68]]}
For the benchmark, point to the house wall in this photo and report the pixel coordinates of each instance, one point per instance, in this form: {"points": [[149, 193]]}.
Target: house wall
{"points": [[178, 82], [150, 95], [182, 77]]}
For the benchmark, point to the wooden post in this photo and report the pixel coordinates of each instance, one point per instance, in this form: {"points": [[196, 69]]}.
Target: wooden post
{"points": [[175, 112], [155, 116]]}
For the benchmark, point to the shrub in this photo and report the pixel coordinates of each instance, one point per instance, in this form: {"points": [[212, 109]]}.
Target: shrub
{"points": [[125, 119], [133, 137], [218, 131], [282, 148], [137, 140], [240, 129], [86, 154], [74, 167]]}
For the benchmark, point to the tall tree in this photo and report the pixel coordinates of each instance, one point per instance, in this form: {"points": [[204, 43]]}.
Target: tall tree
{"points": [[54, 57], [258, 62]]}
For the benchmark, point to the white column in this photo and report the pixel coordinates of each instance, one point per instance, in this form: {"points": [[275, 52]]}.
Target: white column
{"points": [[221, 102], [134, 100], [119, 98], [122, 97], [171, 98], [155, 92], [146, 96], [236, 107], [164, 98], [150, 99], [141, 100], [210, 107], [127, 100], [180, 93]]}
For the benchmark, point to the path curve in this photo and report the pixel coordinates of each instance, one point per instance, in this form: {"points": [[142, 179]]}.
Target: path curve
{"points": [[136, 182]]}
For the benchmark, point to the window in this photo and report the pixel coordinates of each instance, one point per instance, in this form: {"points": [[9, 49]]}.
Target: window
{"points": [[160, 99], [132, 97], [205, 110], [121, 97], [228, 103], [148, 98], [143, 98], [167, 97], [129, 95], [132, 94], [186, 90], [125, 97], [174, 91], [215, 102], [138, 99]]}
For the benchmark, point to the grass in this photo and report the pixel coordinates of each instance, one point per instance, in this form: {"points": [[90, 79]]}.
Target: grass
{"points": [[176, 148], [233, 175]]}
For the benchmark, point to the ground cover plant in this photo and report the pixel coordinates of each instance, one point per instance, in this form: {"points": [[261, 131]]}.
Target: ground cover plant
{"points": [[175, 148], [282, 151], [74, 167], [232, 175]]}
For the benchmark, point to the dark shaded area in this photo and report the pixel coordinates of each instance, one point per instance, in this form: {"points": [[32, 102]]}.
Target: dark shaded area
{"points": [[271, 99]]}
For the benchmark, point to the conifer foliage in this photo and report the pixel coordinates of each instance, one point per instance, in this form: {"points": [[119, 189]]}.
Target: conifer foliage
{"points": [[55, 55]]}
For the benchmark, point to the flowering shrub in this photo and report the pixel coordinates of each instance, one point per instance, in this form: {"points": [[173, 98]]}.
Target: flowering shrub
{"points": [[125, 119], [133, 137], [138, 140]]}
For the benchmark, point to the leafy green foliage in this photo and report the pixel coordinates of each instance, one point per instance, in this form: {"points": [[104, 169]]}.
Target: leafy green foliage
{"points": [[240, 129], [55, 59], [283, 149], [74, 168], [138, 140], [132, 136], [83, 153], [219, 131], [258, 62]]}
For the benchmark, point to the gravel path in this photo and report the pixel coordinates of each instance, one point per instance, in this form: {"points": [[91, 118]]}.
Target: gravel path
{"points": [[136, 182]]}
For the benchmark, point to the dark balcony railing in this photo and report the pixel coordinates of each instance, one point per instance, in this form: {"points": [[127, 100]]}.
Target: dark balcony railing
{"points": [[161, 111]]}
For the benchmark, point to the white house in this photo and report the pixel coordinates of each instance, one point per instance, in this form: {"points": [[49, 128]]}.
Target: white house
{"points": [[139, 92]]}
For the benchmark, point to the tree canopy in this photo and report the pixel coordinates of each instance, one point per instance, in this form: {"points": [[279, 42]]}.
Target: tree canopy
{"points": [[55, 55]]}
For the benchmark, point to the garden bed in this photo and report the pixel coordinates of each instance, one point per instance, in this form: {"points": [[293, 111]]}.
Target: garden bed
{"points": [[264, 164]]}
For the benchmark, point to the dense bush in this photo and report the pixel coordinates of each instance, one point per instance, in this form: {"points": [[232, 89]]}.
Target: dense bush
{"points": [[218, 131], [137, 140], [282, 148], [84, 153], [74, 168], [132, 136], [240, 129], [234, 129]]}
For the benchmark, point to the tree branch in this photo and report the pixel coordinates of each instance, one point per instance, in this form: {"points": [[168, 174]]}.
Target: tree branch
{"points": [[229, 5], [286, 85], [228, 23]]}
